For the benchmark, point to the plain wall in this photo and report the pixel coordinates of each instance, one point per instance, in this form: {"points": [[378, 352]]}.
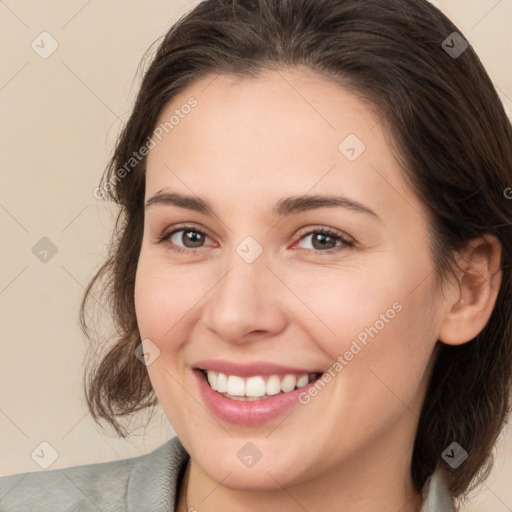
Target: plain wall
{"points": [[60, 116]]}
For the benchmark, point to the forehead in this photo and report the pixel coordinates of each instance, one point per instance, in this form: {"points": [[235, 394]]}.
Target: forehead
{"points": [[286, 131], [283, 112]]}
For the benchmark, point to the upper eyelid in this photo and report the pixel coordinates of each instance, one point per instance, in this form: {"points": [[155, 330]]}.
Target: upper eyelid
{"points": [[175, 229], [300, 232], [331, 231]]}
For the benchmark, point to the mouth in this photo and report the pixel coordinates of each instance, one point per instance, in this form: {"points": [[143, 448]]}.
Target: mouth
{"points": [[256, 387], [252, 393]]}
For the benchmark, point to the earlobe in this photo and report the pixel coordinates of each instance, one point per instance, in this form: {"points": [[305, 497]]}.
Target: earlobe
{"points": [[478, 287]]}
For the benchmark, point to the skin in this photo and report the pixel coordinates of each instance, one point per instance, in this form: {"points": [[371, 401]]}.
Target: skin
{"points": [[247, 144]]}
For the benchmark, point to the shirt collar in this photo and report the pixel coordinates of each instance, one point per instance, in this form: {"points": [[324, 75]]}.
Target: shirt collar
{"points": [[436, 496]]}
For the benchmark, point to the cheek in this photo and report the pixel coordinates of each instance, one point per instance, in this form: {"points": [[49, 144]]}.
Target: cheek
{"points": [[164, 296], [162, 301], [150, 304], [343, 304], [373, 325], [393, 349]]}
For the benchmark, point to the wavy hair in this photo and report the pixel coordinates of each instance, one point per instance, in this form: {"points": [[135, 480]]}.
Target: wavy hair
{"points": [[446, 122]]}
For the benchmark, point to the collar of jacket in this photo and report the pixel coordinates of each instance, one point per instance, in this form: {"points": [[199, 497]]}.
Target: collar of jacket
{"points": [[147, 482], [436, 497]]}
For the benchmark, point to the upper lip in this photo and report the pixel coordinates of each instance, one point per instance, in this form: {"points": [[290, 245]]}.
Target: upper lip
{"points": [[249, 369]]}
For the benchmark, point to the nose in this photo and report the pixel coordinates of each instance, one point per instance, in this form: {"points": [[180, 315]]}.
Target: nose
{"points": [[247, 303]]}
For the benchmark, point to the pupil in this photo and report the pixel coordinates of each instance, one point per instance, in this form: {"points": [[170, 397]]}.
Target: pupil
{"points": [[192, 237], [323, 237]]}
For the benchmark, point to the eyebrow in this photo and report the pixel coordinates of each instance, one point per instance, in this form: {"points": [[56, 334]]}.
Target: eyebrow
{"points": [[284, 207]]}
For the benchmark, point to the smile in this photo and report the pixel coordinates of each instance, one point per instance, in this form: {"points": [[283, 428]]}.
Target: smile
{"points": [[256, 387]]}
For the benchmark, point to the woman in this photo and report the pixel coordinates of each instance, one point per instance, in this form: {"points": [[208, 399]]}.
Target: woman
{"points": [[312, 260]]}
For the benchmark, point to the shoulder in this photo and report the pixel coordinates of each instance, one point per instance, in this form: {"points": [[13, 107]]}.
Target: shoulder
{"points": [[146, 482]]}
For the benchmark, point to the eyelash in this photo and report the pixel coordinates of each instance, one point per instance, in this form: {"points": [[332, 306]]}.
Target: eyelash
{"points": [[347, 243]]}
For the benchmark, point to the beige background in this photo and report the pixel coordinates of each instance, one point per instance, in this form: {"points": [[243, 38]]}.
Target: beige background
{"points": [[60, 116]]}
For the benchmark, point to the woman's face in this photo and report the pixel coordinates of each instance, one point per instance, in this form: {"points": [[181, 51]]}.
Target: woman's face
{"points": [[253, 287]]}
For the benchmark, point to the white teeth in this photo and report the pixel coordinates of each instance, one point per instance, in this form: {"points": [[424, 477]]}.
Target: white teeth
{"points": [[256, 387], [236, 386], [222, 383], [212, 379], [288, 383], [302, 381], [273, 385]]}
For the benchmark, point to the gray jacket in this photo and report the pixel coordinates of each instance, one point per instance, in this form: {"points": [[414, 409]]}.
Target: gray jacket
{"points": [[147, 483]]}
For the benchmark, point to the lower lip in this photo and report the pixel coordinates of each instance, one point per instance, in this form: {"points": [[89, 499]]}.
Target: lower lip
{"points": [[247, 412]]}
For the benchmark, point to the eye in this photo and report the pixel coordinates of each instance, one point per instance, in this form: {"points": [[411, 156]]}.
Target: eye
{"points": [[189, 236], [325, 240]]}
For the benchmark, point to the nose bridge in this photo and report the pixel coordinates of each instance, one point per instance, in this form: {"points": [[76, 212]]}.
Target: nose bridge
{"points": [[247, 266], [243, 300], [239, 288]]}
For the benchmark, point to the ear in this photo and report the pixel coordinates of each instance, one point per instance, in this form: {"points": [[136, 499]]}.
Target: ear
{"points": [[479, 280]]}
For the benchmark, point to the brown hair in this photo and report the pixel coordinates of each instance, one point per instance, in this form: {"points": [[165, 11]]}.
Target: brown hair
{"points": [[449, 129]]}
